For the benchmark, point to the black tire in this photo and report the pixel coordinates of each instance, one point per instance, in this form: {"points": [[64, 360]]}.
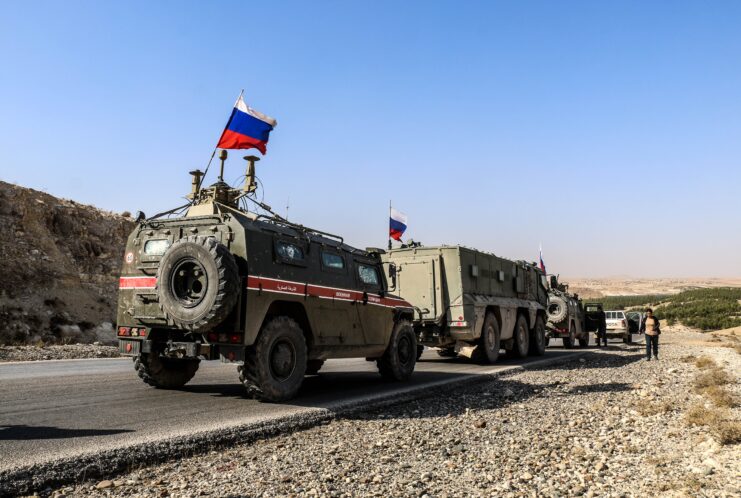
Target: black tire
{"points": [[313, 366], [568, 342], [420, 350], [447, 353], [397, 363], [537, 337], [521, 336], [165, 373], [558, 308], [197, 283], [584, 340], [275, 365], [487, 350]]}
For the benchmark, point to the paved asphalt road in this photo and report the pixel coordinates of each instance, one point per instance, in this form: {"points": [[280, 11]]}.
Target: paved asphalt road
{"points": [[67, 408]]}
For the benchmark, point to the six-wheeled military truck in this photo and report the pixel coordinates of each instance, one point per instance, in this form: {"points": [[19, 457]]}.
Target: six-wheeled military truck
{"points": [[470, 302], [273, 297], [566, 316]]}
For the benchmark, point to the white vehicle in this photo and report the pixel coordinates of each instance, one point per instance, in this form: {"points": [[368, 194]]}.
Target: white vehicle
{"points": [[620, 325]]}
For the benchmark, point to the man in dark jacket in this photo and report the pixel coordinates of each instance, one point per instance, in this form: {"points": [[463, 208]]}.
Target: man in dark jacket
{"points": [[651, 328], [601, 327]]}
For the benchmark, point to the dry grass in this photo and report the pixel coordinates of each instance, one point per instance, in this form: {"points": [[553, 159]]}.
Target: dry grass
{"points": [[705, 362], [647, 407], [720, 397], [699, 414], [727, 431], [688, 359], [712, 377]]}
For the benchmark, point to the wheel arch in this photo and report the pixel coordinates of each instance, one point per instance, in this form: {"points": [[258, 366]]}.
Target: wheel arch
{"points": [[293, 310]]}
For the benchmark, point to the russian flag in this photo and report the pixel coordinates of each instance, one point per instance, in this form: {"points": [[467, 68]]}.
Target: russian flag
{"points": [[246, 129], [397, 224], [542, 264]]}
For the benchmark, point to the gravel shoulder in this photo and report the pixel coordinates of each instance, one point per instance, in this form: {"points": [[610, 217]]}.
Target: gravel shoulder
{"points": [[57, 352], [608, 424]]}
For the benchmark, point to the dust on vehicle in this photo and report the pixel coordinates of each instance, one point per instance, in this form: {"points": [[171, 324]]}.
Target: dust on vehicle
{"points": [[471, 302], [221, 282]]}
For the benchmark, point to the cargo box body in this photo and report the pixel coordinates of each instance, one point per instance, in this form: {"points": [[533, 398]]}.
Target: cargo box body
{"points": [[453, 287]]}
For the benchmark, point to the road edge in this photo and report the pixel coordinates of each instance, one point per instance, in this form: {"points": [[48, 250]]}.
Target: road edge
{"points": [[113, 462]]}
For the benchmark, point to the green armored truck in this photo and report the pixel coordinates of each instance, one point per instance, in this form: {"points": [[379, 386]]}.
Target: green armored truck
{"points": [[470, 302], [221, 282]]}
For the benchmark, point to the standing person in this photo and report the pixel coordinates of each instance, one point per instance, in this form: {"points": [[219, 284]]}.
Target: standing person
{"points": [[651, 327], [602, 327]]}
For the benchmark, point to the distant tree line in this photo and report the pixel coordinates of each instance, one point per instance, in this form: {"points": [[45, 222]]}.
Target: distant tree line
{"points": [[705, 309]]}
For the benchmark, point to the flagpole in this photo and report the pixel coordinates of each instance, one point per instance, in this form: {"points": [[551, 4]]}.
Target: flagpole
{"points": [[213, 154], [389, 231]]}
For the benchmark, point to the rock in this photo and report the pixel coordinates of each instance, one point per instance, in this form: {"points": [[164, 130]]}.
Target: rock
{"points": [[480, 424], [104, 485], [527, 476]]}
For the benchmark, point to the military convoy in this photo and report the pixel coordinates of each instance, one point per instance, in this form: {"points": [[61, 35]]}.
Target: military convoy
{"points": [[214, 280], [470, 302], [273, 297]]}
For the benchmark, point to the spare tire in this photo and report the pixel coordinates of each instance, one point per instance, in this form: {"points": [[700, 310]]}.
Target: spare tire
{"points": [[558, 308], [197, 283]]}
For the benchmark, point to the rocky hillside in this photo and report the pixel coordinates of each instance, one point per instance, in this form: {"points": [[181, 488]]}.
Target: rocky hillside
{"points": [[60, 262]]}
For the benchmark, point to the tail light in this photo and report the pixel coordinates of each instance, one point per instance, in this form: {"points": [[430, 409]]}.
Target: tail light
{"points": [[235, 338], [622, 322], [132, 331], [212, 337]]}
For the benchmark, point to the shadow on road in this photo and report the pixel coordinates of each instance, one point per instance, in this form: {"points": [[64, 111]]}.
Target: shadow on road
{"points": [[24, 432]]}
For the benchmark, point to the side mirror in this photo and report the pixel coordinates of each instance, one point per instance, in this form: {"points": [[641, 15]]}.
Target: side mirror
{"points": [[140, 216], [554, 282], [392, 275]]}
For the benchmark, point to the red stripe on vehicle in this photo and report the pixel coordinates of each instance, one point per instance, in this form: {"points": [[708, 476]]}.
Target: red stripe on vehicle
{"points": [[137, 282], [296, 288]]}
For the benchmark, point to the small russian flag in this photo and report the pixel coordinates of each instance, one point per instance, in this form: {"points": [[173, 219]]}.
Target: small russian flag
{"points": [[397, 224], [246, 129], [542, 265]]}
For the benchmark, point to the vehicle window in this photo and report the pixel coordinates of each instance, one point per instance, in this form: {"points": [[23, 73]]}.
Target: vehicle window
{"points": [[289, 252], [156, 247], [332, 260], [369, 275], [610, 315], [621, 315]]}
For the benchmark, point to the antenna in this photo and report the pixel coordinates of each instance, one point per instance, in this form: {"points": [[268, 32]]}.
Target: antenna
{"points": [[249, 180], [222, 156], [288, 205]]}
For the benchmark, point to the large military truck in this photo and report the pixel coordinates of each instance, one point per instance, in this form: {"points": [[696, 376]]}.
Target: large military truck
{"points": [[566, 316], [470, 302], [273, 297]]}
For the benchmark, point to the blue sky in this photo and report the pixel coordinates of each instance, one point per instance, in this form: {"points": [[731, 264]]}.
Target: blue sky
{"points": [[608, 131]]}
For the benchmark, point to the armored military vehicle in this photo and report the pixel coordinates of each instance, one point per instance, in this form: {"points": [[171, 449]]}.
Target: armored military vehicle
{"points": [[219, 281], [566, 317], [470, 302]]}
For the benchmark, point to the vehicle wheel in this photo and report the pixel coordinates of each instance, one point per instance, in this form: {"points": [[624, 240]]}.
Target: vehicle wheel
{"points": [[313, 366], [275, 365], [537, 338], [488, 348], [521, 338], [447, 353], [165, 373], [628, 339], [397, 363], [197, 283], [568, 342], [420, 350], [584, 340], [557, 310]]}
